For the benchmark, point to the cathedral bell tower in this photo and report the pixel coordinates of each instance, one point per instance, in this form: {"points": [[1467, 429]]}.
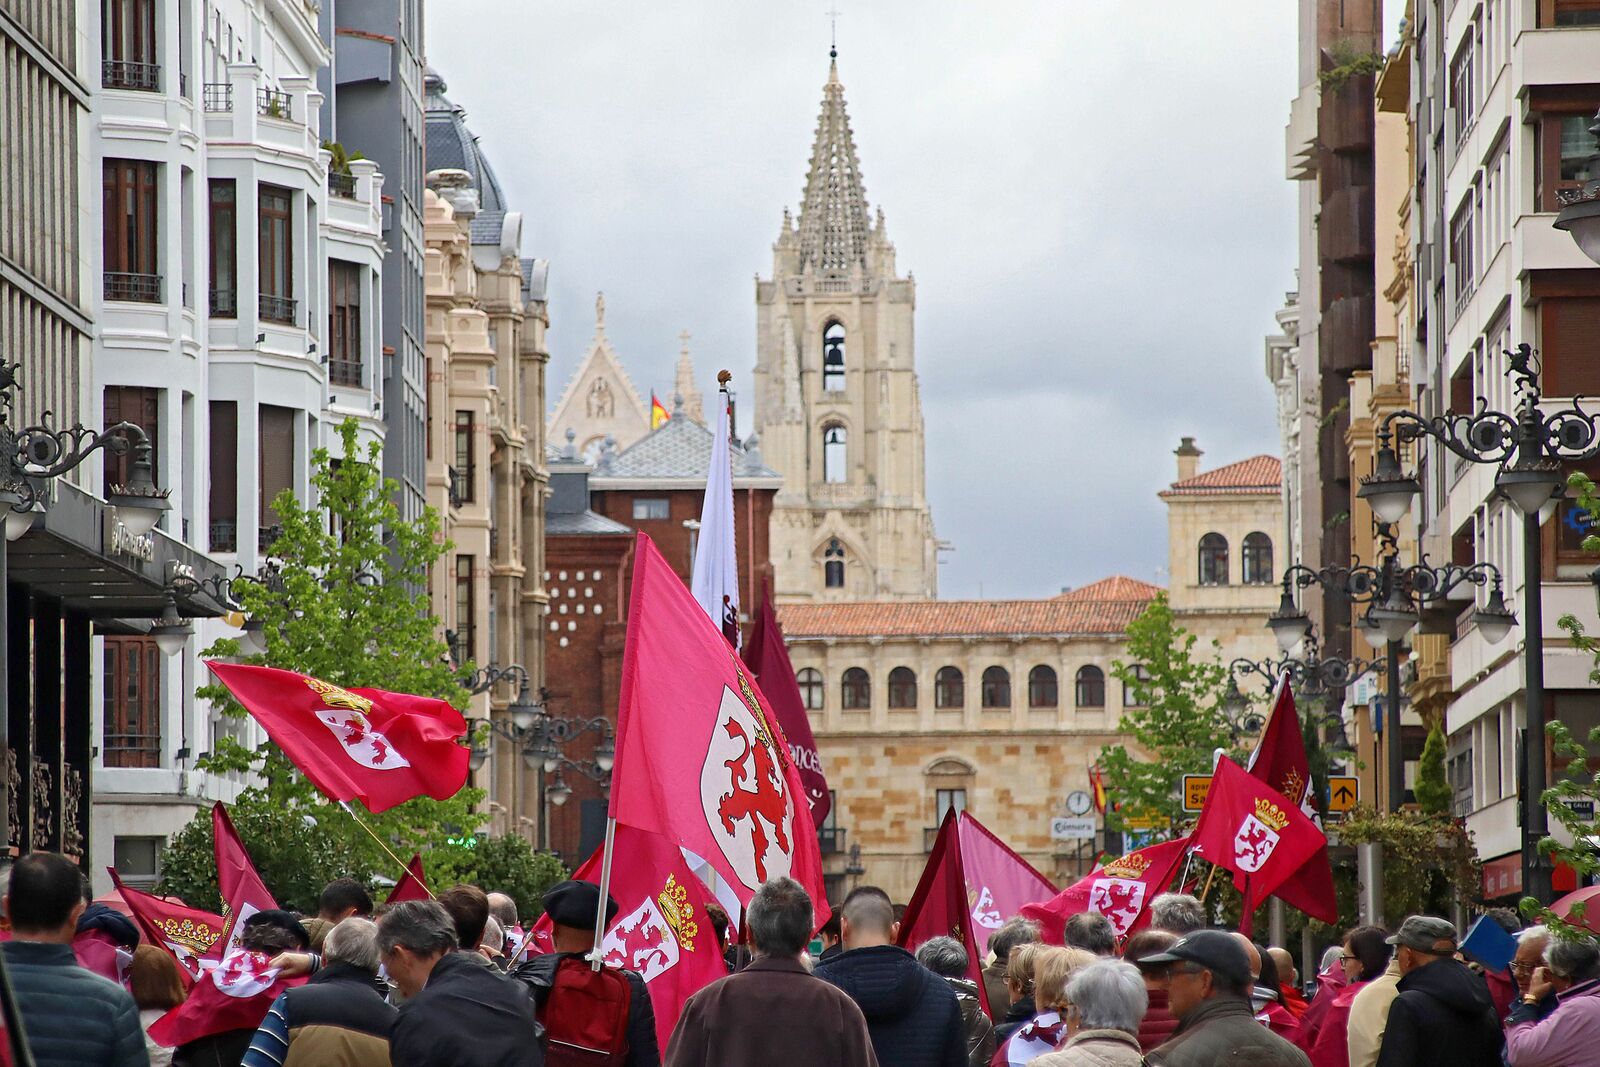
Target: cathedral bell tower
{"points": [[836, 396]]}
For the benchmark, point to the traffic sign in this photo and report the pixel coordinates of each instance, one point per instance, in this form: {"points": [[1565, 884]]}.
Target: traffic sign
{"points": [[1070, 828], [1195, 789], [1149, 819], [1343, 792]]}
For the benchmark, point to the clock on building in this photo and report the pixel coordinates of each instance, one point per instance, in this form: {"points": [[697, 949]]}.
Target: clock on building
{"points": [[1078, 802]]}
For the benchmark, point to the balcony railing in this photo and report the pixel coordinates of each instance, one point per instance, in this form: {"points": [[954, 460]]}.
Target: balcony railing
{"points": [[267, 536], [219, 96], [345, 372], [458, 484], [133, 750], [123, 74], [224, 303], [342, 185], [224, 535], [276, 308], [274, 103], [139, 288], [830, 840]]}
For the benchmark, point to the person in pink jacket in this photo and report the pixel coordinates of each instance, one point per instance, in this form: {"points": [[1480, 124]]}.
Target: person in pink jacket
{"points": [[1364, 957], [1570, 1035]]}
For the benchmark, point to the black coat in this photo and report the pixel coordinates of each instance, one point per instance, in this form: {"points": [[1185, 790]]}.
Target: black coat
{"points": [[1443, 1014], [911, 1013], [1016, 1017], [468, 1015], [643, 1048]]}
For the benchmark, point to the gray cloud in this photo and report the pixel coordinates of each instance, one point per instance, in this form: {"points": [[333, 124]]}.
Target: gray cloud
{"points": [[1090, 194]]}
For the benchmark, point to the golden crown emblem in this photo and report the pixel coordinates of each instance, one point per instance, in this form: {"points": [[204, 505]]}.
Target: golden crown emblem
{"points": [[335, 697], [190, 934], [679, 913], [1293, 785], [1270, 815], [1132, 865]]}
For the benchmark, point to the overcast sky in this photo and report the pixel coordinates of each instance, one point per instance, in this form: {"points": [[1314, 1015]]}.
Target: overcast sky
{"points": [[1090, 193]]}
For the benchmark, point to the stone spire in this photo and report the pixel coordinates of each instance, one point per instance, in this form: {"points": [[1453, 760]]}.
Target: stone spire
{"points": [[834, 227], [683, 383]]}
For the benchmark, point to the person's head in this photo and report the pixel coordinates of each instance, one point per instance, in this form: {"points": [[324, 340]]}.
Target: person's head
{"points": [[865, 891], [412, 937], [1365, 954], [44, 898], [1177, 913], [573, 907], [1331, 957], [1205, 965], [154, 979], [1267, 975], [1423, 940], [469, 907], [719, 924], [1013, 932], [1019, 970], [354, 942], [274, 931], [830, 932], [1251, 953], [1051, 969], [944, 956], [1571, 960], [780, 919], [866, 922], [342, 898], [1507, 919], [494, 939], [1147, 943], [503, 909], [1288, 973], [1105, 995], [1092, 932], [1531, 944]]}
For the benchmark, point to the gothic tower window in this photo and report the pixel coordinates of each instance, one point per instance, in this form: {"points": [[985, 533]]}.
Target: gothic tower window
{"points": [[833, 565], [1213, 559], [833, 454], [1257, 559], [833, 358]]}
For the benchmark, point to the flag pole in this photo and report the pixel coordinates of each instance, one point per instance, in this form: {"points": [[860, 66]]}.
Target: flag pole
{"points": [[605, 893], [1207, 888], [404, 870]]}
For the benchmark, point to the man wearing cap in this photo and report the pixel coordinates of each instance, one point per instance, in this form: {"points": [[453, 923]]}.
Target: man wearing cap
{"points": [[1208, 990], [1443, 1012], [573, 907]]}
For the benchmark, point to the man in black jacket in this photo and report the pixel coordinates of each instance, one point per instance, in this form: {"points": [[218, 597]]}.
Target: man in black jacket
{"points": [[913, 1017], [573, 907], [457, 1011], [1443, 1012]]}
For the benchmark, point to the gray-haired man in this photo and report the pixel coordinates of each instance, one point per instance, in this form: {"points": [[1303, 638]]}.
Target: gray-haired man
{"points": [[338, 1016]]}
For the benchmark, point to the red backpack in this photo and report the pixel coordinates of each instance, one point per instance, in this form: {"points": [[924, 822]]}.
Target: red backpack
{"points": [[585, 1015]]}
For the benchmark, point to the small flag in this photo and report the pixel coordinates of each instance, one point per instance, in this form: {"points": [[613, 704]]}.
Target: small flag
{"points": [[1098, 787], [659, 415], [768, 660], [1120, 888], [716, 556], [412, 885], [194, 937], [243, 891]]}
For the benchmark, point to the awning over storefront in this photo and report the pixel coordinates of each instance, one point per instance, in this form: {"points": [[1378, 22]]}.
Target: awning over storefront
{"points": [[1502, 877]]}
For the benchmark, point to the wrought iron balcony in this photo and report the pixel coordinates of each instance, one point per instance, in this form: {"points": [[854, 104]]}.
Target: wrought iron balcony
{"points": [[267, 536], [139, 288], [343, 185], [218, 96], [345, 372], [224, 535], [123, 74], [224, 303], [830, 840], [276, 308], [273, 103]]}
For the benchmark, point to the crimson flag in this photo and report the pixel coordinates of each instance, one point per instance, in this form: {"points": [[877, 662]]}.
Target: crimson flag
{"points": [[972, 884], [1249, 828], [1120, 888], [768, 661], [370, 745], [1280, 761], [243, 891], [194, 937], [412, 885], [233, 995], [661, 930], [701, 759]]}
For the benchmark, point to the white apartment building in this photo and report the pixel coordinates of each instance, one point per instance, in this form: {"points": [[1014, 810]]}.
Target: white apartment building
{"points": [[238, 291], [1502, 93]]}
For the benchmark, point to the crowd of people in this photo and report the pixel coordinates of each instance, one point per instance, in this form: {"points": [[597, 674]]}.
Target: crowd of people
{"points": [[429, 982]]}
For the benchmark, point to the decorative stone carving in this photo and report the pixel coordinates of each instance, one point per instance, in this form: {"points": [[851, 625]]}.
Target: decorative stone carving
{"points": [[41, 805], [71, 805], [13, 793]]}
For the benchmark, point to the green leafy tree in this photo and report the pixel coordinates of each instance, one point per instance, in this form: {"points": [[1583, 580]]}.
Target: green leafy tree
{"points": [[505, 864], [343, 607], [1432, 789], [1180, 721]]}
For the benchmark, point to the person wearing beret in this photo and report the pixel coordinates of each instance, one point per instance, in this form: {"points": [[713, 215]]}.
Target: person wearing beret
{"points": [[572, 907]]}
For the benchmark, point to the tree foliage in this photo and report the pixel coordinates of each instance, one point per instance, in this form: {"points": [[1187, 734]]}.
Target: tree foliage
{"points": [[1433, 789], [505, 864], [1180, 721]]}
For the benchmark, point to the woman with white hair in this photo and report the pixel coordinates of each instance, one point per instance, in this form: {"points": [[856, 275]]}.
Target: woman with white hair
{"points": [[1105, 1002]]}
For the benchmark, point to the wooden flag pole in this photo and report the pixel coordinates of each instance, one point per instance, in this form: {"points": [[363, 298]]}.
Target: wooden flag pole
{"points": [[404, 869], [605, 894], [1205, 891]]}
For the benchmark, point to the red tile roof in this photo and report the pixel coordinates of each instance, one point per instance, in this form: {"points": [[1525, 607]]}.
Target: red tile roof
{"points": [[1106, 607], [1258, 474]]}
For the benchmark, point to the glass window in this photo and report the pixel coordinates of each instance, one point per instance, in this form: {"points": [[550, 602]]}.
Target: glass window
{"points": [[276, 254], [651, 507], [464, 482], [1136, 696], [996, 688], [129, 230], [812, 691], [466, 611], [344, 323], [949, 688], [224, 233], [855, 690], [1213, 559], [140, 405], [1042, 687], [902, 688], [833, 454], [1091, 687], [833, 565], [833, 358], [1258, 559], [946, 800], [132, 704]]}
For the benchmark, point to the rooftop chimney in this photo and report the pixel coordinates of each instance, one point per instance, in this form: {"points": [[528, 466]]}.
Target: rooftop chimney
{"points": [[1188, 458]]}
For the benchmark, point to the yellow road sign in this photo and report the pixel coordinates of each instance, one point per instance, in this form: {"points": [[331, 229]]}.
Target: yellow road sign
{"points": [[1343, 792], [1144, 820], [1195, 789]]}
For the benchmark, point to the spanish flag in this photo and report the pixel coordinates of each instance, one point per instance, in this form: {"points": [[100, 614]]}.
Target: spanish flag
{"points": [[659, 416], [1099, 788]]}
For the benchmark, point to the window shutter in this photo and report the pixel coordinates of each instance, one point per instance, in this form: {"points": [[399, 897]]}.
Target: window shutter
{"points": [[277, 458], [1569, 342]]}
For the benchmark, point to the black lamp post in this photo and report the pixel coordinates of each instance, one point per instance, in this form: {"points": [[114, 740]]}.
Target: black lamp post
{"points": [[1528, 446]]}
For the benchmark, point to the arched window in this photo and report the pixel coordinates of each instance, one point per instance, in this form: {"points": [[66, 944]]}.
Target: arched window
{"points": [[833, 358], [833, 565], [949, 688], [812, 689], [1042, 687], [1257, 559], [1213, 559], [1091, 687], [833, 453], [1135, 695], [855, 690], [996, 688], [902, 688]]}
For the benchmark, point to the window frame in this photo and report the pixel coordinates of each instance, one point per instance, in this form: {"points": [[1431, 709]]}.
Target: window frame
{"points": [[1036, 683], [1131, 694], [942, 695], [131, 720], [833, 558], [855, 689], [833, 474], [275, 248], [902, 693], [465, 436], [140, 405], [813, 688], [994, 692], [947, 797], [833, 372], [222, 238], [1256, 564], [1209, 546], [645, 508], [130, 229], [1082, 679], [466, 604], [344, 322]]}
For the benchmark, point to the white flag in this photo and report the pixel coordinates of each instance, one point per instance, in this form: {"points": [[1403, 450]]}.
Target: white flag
{"points": [[716, 557]]}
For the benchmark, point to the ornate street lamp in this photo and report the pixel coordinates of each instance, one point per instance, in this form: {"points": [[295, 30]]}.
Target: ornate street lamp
{"points": [[1580, 209]]}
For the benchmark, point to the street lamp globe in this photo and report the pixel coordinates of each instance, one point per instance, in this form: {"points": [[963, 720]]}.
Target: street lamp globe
{"points": [[252, 637], [605, 755], [524, 712], [477, 756], [1288, 624], [139, 504], [559, 791], [171, 631], [1395, 616], [1371, 632], [1529, 486], [1388, 490], [1494, 620], [532, 759]]}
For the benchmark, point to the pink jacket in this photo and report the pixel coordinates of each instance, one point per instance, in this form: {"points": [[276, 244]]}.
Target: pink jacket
{"points": [[1331, 1045], [1568, 1037]]}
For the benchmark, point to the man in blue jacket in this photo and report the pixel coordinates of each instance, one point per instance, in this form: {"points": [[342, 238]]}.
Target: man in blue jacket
{"points": [[913, 1017], [71, 1016]]}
